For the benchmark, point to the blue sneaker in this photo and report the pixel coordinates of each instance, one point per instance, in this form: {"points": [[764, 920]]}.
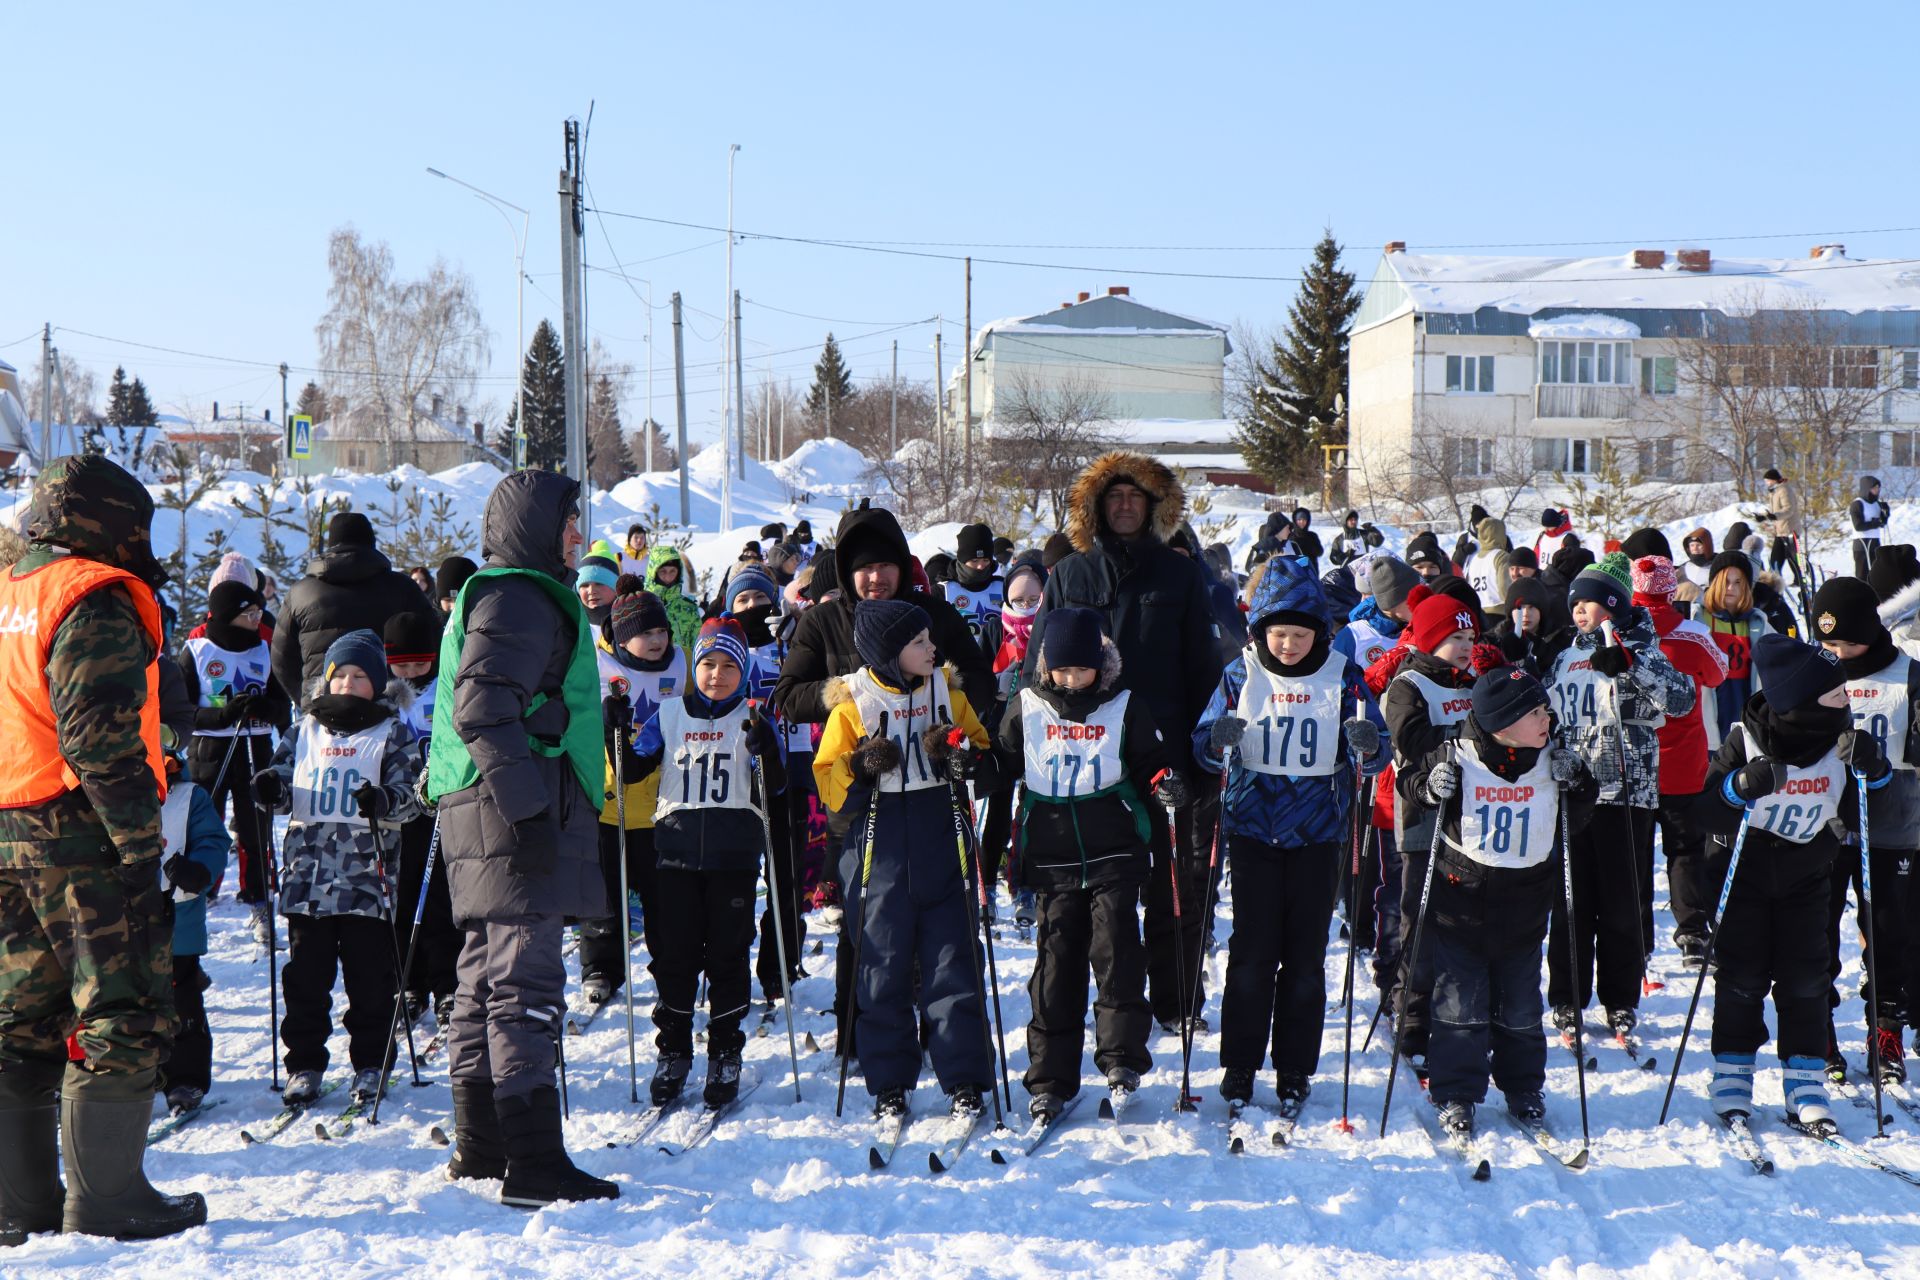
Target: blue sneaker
{"points": [[636, 919]]}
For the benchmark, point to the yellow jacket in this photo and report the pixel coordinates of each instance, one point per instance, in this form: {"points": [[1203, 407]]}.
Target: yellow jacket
{"points": [[832, 763]]}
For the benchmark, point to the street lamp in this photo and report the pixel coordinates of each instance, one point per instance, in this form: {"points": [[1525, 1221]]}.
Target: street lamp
{"points": [[500, 207]]}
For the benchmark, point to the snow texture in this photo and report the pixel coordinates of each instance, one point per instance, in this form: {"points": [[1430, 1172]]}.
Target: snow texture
{"points": [[1584, 326]]}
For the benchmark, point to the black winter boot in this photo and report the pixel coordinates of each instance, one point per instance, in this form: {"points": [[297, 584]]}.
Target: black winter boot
{"points": [[478, 1149], [31, 1197], [538, 1170], [103, 1122]]}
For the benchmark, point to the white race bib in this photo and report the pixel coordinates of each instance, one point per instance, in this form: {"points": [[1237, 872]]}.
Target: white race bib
{"points": [[1805, 803], [1293, 723], [329, 767], [904, 717], [224, 675], [1505, 824], [1880, 706], [704, 764], [1068, 759]]}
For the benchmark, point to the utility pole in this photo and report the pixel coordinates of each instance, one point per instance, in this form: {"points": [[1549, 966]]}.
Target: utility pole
{"points": [[966, 376], [648, 433], [574, 322], [893, 404], [739, 395], [939, 400], [783, 426], [46, 394], [286, 423], [680, 404]]}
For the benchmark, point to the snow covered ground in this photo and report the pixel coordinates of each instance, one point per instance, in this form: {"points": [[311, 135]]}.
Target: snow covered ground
{"points": [[785, 1189]]}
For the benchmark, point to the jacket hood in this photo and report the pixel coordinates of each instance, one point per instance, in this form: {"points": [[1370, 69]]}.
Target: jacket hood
{"points": [[872, 529], [1491, 534], [525, 520], [1284, 585], [95, 508], [665, 553], [1901, 606], [1168, 498], [344, 566], [1867, 485]]}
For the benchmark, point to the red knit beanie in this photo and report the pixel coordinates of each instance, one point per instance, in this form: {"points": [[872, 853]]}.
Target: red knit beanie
{"points": [[1435, 617]]}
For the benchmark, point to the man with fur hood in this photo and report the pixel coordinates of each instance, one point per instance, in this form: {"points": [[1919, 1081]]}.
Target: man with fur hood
{"points": [[1121, 513]]}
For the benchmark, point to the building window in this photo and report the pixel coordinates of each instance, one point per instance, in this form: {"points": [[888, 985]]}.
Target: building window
{"points": [[1856, 367], [1658, 458], [356, 457], [1590, 363], [1569, 456], [1910, 370], [1659, 375], [1467, 456], [1860, 450], [1470, 375], [1904, 452]]}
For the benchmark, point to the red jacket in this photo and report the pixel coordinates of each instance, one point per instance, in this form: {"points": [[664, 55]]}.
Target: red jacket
{"points": [[1683, 739]]}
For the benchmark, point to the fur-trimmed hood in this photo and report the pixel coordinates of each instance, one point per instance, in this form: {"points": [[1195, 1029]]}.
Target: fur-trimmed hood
{"points": [[1901, 606], [1163, 489], [1109, 666]]}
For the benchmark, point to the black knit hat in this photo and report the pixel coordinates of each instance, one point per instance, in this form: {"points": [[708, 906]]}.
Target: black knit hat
{"points": [[882, 628], [411, 637], [1424, 548], [1792, 674], [976, 543], [349, 529], [1894, 566], [803, 532], [452, 575], [1646, 542], [1731, 560], [774, 531], [1845, 608], [635, 614], [1503, 695], [826, 576], [1550, 519], [227, 599], [1071, 639], [1002, 545], [1523, 558]]}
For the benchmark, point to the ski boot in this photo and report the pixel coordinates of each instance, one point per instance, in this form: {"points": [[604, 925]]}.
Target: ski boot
{"points": [[1456, 1119], [597, 989], [669, 1077], [184, 1097], [1732, 1088], [260, 921], [1528, 1108], [966, 1103], [890, 1105], [1622, 1022], [303, 1089], [443, 1012], [1693, 949], [1045, 1106], [1892, 1054], [723, 1078], [1565, 1019], [1293, 1089], [1836, 1067], [1806, 1089], [1236, 1084], [365, 1086]]}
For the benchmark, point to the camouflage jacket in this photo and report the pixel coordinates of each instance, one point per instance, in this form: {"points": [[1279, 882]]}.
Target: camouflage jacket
{"points": [[97, 678], [335, 868]]}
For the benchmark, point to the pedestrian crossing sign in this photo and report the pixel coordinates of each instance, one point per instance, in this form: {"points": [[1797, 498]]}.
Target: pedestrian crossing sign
{"points": [[300, 436]]}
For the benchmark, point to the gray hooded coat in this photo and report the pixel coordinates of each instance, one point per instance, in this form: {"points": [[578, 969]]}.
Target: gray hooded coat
{"points": [[518, 645]]}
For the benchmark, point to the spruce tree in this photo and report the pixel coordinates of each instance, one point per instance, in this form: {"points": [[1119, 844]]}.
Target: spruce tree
{"points": [[832, 383], [117, 399], [313, 403], [1292, 410], [140, 410], [544, 379], [608, 462]]}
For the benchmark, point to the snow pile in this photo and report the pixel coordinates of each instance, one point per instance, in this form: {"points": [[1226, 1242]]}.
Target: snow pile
{"points": [[1586, 325]]}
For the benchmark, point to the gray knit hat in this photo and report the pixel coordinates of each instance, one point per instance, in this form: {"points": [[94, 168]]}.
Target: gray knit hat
{"points": [[1391, 579]]}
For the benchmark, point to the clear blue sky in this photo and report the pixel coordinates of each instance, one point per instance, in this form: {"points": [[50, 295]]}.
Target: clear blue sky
{"points": [[175, 170]]}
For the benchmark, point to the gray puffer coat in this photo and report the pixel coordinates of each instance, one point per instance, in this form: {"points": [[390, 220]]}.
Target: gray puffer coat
{"points": [[518, 646]]}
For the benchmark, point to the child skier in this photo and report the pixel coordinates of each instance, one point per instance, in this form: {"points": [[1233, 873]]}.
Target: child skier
{"points": [[194, 851], [1299, 722], [667, 573], [708, 839], [1498, 792], [902, 856], [1612, 686], [1883, 689], [413, 658], [1087, 753], [1785, 770], [347, 761]]}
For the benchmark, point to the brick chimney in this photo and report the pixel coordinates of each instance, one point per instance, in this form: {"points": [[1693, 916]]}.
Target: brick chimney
{"points": [[1084, 295], [480, 434], [1828, 251], [1649, 259], [1396, 246], [216, 411], [1695, 259], [1119, 291]]}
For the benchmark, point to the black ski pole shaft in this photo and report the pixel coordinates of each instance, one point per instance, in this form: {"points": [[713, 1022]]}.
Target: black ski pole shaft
{"points": [[1413, 958], [618, 687], [1185, 1102], [560, 1059], [1866, 947], [1197, 999], [399, 977], [1353, 942], [1378, 1010], [1706, 961], [272, 880], [993, 972], [1573, 948], [969, 877], [413, 943], [778, 906], [844, 1041], [213, 792]]}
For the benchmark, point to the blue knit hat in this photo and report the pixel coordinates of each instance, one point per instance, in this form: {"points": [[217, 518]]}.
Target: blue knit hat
{"points": [[722, 635], [1792, 674], [1288, 593], [597, 569], [751, 577], [882, 628], [362, 649], [1072, 638]]}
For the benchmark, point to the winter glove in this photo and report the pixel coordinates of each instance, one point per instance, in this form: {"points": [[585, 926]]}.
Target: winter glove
{"points": [[268, 789], [938, 743], [1443, 782], [1564, 764], [762, 740], [427, 803], [239, 709], [1755, 779], [1611, 661], [372, 800], [187, 875], [1226, 733], [1171, 791], [963, 764], [1375, 538], [873, 758], [617, 713], [536, 846], [1363, 737], [1860, 752]]}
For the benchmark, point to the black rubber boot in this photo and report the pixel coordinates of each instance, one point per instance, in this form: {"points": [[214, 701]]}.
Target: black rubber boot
{"points": [[103, 1122], [538, 1170], [31, 1197], [478, 1149]]}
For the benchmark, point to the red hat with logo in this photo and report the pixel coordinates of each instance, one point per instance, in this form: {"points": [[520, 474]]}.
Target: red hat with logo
{"points": [[1435, 617]]}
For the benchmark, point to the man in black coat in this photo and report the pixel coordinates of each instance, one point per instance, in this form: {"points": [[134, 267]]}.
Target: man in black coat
{"points": [[1122, 512], [351, 587]]}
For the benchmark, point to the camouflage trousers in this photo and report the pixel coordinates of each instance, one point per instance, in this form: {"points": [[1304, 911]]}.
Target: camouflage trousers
{"points": [[80, 956]]}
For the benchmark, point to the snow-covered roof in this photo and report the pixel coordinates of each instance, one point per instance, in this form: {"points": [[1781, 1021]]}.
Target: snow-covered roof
{"points": [[1585, 325], [1459, 284], [230, 425], [360, 423], [1112, 314]]}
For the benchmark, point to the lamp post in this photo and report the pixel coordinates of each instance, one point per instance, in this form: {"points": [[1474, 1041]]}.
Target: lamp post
{"points": [[500, 207]]}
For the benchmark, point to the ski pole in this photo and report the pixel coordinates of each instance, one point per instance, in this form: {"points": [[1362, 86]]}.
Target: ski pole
{"points": [[618, 687], [859, 937], [1185, 1101], [393, 942], [778, 906], [1413, 956], [1198, 998], [1573, 946], [1633, 852], [1373, 1026], [970, 875], [1706, 961], [1866, 946], [413, 941], [214, 791], [1353, 940], [273, 930]]}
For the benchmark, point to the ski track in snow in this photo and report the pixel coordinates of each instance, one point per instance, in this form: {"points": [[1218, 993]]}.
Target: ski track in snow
{"points": [[784, 1189]]}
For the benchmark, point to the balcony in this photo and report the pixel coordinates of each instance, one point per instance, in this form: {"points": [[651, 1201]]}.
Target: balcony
{"points": [[1582, 400]]}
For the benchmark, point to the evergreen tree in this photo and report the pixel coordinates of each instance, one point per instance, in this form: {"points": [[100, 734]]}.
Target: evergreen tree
{"points": [[832, 383], [544, 379], [608, 462], [117, 399], [1292, 409], [140, 410], [313, 403]]}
